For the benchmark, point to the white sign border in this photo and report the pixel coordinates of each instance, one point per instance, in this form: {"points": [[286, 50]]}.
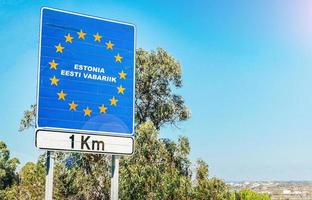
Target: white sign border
{"points": [[82, 151]]}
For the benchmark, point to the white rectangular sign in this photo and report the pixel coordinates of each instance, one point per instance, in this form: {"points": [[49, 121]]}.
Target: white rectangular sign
{"points": [[71, 141]]}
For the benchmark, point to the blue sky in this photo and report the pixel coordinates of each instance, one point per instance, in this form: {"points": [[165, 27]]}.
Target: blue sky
{"points": [[246, 73]]}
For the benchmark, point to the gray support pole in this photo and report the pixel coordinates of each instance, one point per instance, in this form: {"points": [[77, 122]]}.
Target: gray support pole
{"points": [[49, 176], [114, 178]]}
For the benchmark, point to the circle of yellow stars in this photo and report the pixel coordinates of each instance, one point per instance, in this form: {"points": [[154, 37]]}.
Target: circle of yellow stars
{"points": [[62, 95]]}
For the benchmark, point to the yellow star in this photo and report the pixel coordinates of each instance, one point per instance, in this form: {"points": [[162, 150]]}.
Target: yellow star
{"points": [[81, 35], [53, 64], [102, 108], [54, 80], [122, 75], [109, 45], [61, 95], [59, 48], [87, 112], [68, 38], [118, 58], [113, 101], [72, 105], [97, 37], [121, 89]]}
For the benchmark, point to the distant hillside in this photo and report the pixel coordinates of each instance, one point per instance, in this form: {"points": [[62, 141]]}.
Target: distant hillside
{"points": [[278, 190]]}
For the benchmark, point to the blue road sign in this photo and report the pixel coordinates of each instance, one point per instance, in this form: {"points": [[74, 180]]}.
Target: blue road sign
{"points": [[86, 73]]}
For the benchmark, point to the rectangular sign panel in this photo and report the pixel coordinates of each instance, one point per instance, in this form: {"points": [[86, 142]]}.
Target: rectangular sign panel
{"points": [[69, 141], [86, 74]]}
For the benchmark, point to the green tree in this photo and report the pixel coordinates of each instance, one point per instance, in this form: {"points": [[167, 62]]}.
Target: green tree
{"points": [[210, 189], [159, 168], [248, 194], [28, 119], [8, 165], [156, 170], [157, 74], [31, 185], [82, 176]]}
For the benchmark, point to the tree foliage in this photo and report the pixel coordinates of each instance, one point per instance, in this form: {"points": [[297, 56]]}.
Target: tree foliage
{"points": [[82, 176], [8, 165], [206, 188], [248, 194], [157, 73], [28, 120], [158, 169], [31, 185]]}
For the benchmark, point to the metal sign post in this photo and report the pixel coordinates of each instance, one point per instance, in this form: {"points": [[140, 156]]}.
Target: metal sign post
{"points": [[114, 178], [49, 175]]}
